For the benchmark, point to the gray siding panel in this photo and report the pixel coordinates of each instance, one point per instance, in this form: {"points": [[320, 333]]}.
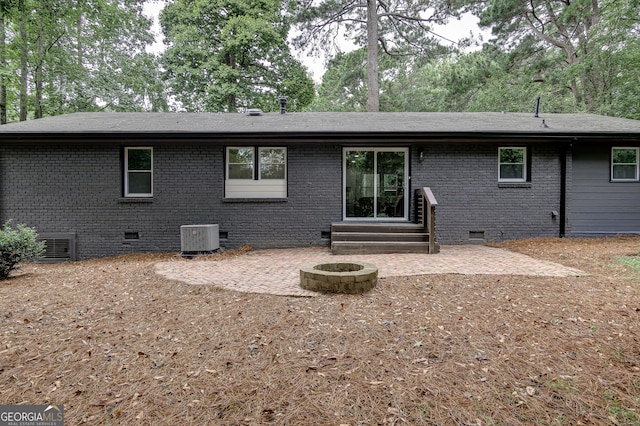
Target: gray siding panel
{"points": [[599, 206]]}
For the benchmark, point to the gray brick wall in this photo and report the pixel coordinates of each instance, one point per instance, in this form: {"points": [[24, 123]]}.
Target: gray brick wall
{"points": [[464, 180], [77, 187], [313, 203]]}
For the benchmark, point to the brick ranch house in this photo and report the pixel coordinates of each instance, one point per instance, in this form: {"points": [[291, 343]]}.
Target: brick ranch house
{"points": [[99, 184]]}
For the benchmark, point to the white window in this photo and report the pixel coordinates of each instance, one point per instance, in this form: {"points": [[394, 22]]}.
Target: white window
{"points": [[256, 172], [273, 163], [624, 164], [138, 172], [512, 164], [240, 163]]}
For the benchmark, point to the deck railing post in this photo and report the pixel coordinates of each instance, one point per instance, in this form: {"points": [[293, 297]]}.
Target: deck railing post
{"points": [[428, 219], [432, 229]]}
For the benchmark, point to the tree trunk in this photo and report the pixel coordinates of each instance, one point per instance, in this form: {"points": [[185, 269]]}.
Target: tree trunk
{"points": [[78, 36], [373, 90], [38, 106], [3, 66], [24, 50], [230, 60]]}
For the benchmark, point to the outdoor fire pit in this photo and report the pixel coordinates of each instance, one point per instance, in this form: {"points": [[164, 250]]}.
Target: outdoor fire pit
{"points": [[340, 277]]}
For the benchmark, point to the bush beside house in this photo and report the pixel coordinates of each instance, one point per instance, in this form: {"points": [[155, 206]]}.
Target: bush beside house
{"points": [[19, 244]]}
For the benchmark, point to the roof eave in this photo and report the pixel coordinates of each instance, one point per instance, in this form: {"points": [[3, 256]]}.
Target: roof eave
{"points": [[90, 136]]}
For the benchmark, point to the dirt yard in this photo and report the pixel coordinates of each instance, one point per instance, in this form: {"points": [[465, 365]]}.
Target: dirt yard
{"points": [[117, 344]]}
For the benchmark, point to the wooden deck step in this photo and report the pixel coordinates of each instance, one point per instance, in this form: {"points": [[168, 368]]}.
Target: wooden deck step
{"points": [[378, 247], [376, 227], [378, 238]]}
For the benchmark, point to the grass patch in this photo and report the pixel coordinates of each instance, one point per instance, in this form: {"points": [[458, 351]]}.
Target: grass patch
{"points": [[631, 261], [620, 414]]}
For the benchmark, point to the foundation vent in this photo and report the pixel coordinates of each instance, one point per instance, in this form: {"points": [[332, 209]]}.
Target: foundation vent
{"points": [[59, 247], [476, 235]]}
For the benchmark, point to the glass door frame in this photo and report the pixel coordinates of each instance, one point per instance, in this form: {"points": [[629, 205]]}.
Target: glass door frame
{"points": [[375, 150]]}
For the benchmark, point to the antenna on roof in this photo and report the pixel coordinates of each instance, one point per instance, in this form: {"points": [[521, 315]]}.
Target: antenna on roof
{"points": [[537, 107]]}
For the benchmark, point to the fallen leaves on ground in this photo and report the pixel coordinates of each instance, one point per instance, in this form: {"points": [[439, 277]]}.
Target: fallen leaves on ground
{"points": [[117, 344]]}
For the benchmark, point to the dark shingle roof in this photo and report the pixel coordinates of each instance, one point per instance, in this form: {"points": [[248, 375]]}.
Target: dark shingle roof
{"points": [[324, 123]]}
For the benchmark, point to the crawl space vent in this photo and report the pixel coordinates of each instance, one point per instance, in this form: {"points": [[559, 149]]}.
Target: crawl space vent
{"points": [[476, 235], [59, 247]]}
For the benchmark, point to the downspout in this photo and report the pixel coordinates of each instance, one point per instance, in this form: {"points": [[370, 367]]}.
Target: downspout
{"points": [[563, 190]]}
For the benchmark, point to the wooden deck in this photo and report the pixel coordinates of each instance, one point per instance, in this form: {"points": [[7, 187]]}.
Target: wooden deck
{"points": [[378, 238]]}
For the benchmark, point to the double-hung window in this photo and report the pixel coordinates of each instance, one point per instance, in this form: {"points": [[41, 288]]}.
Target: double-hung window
{"points": [[138, 172], [624, 164], [256, 172], [512, 164], [240, 162]]}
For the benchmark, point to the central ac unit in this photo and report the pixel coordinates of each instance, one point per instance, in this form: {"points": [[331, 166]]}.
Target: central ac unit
{"points": [[199, 238]]}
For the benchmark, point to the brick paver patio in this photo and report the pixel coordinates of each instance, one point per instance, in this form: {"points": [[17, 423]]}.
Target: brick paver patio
{"points": [[277, 271]]}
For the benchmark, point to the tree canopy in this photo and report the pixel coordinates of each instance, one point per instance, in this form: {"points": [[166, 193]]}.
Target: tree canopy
{"points": [[596, 39], [59, 56], [225, 55], [579, 55], [395, 27]]}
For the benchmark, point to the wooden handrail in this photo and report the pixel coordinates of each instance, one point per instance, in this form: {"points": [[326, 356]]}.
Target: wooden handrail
{"points": [[429, 203], [428, 195]]}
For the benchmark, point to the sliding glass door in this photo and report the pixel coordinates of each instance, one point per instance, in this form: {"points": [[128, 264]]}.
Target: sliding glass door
{"points": [[374, 183]]}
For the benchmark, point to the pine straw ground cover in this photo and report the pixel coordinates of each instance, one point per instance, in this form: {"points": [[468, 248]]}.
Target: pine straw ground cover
{"points": [[117, 344]]}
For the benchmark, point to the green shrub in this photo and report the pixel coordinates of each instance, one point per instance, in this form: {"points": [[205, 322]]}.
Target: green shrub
{"points": [[17, 245]]}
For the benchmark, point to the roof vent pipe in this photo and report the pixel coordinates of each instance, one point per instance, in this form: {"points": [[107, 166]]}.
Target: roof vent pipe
{"points": [[537, 107], [283, 104]]}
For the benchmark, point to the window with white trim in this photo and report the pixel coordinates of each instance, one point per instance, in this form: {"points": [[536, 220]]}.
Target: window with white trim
{"points": [[624, 164], [138, 172], [240, 163], [512, 164], [273, 162], [256, 172]]}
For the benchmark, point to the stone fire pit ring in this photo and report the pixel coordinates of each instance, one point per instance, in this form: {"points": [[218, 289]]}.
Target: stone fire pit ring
{"points": [[339, 277]]}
